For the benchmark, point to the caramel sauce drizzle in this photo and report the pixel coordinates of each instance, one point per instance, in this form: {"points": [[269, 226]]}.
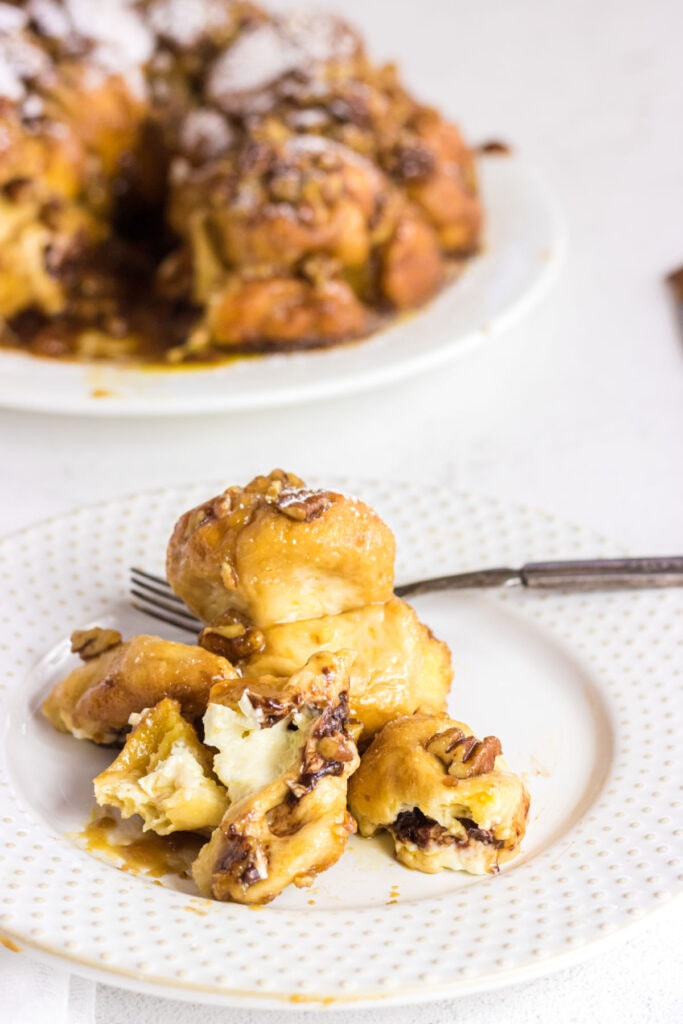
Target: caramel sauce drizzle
{"points": [[12, 946], [147, 853]]}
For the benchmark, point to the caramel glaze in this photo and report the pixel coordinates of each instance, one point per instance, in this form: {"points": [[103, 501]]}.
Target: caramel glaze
{"points": [[147, 854], [155, 322], [157, 327]]}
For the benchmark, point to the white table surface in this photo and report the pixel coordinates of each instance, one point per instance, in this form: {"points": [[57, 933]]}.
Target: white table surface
{"points": [[578, 409]]}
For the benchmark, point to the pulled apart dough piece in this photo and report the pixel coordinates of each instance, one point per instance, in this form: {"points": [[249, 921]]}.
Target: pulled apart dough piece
{"points": [[446, 797], [289, 820], [164, 775], [400, 666], [275, 551], [119, 679]]}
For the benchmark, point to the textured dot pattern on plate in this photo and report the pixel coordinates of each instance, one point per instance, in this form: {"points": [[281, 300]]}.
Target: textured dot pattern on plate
{"points": [[582, 689]]}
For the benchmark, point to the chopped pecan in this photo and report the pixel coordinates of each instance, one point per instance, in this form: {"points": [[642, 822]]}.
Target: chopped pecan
{"points": [[465, 756], [271, 485], [232, 638], [90, 643], [411, 161], [311, 774], [335, 748], [302, 505], [442, 743], [352, 108], [334, 719], [476, 758], [327, 751]]}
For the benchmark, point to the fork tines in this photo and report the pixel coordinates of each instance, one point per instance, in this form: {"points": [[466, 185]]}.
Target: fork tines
{"points": [[153, 596]]}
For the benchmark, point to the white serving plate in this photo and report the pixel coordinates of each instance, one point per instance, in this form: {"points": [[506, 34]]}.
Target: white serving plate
{"points": [[523, 247], [582, 689]]}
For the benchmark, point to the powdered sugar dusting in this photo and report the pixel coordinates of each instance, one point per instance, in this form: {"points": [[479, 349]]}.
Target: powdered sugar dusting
{"points": [[33, 106], [51, 18], [118, 41], [320, 37], [20, 61], [205, 134], [122, 41], [11, 18], [184, 22], [267, 52], [257, 59]]}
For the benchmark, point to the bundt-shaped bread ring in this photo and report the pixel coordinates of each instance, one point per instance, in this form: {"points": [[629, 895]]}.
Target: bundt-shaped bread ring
{"points": [[182, 178]]}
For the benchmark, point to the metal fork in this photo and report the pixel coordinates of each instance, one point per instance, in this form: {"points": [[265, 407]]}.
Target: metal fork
{"points": [[152, 594]]}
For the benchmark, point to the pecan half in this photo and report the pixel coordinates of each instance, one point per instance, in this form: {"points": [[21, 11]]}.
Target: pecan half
{"points": [[465, 756], [327, 751], [232, 638], [302, 505], [90, 643], [442, 743], [335, 748]]}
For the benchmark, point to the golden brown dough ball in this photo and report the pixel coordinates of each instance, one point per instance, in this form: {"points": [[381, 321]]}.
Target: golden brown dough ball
{"points": [[305, 195], [274, 551], [294, 238], [284, 755], [39, 242], [446, 797], [400, 666], [282, 311], [411, 265], [118, 679], [447, 195], [164, 775]]}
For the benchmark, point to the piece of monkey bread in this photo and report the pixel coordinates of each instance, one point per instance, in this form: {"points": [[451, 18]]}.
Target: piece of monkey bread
{"points": [[446, 797], [118, 679], [284, 755], [400, 666], [164, 775], [274, 551]]}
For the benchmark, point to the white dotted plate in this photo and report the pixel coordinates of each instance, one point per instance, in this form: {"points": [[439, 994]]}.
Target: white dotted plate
{"points": [[523, 248], [582, 689]]}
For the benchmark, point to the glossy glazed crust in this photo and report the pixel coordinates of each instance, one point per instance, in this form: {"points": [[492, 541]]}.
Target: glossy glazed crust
{"points": [[448, 799], [297, 826], [96, 700], [274, 551], [316, 236], [175, 803], [400, 666], [272, 841], [252, 177]]}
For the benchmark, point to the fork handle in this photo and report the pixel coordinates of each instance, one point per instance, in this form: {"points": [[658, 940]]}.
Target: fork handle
{"points": [[598, 573]]}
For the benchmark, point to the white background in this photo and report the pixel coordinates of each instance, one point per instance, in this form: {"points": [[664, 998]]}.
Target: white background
{"points": [[578, 409]]}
